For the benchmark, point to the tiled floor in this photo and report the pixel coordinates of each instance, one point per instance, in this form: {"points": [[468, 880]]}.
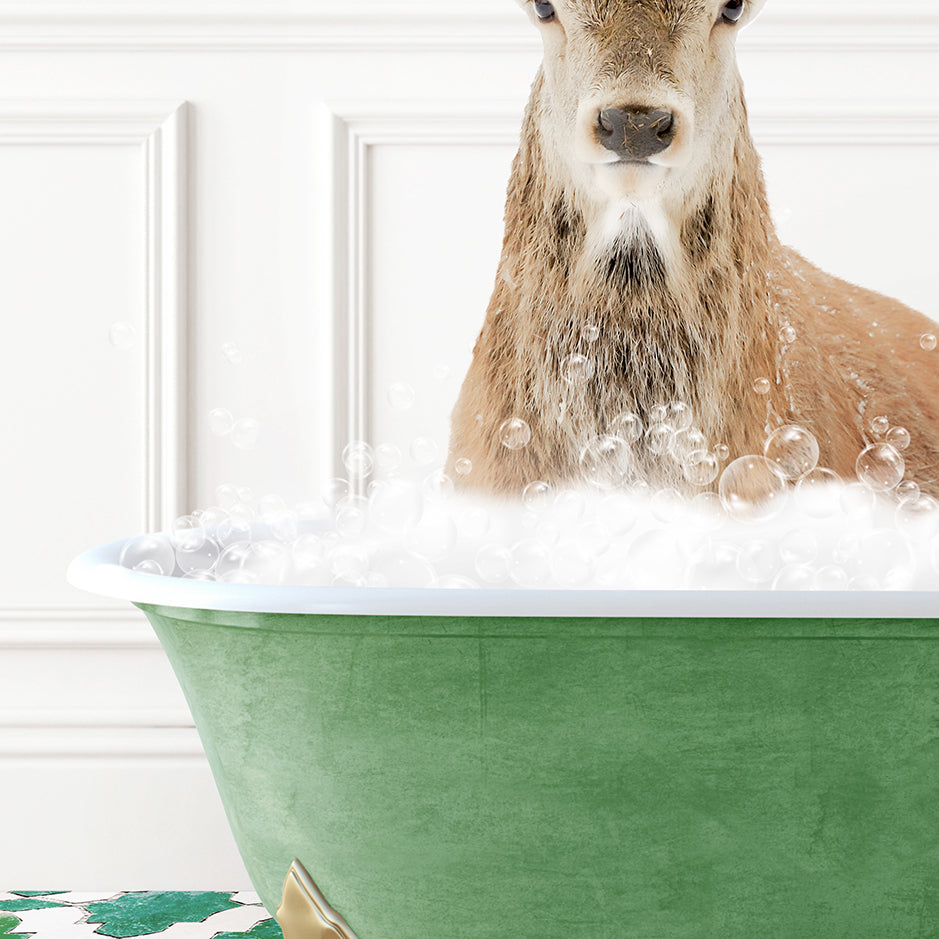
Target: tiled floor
{"points": [[169, 915]]}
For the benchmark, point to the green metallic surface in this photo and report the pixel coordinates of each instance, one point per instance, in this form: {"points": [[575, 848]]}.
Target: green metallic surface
{"points": [[443, 778]]}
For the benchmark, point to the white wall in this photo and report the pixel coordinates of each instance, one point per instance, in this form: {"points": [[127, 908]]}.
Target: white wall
{"points": [[320, 183]]}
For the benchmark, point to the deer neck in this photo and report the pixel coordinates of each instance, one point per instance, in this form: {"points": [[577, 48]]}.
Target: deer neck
{"points": [[678, 288]]}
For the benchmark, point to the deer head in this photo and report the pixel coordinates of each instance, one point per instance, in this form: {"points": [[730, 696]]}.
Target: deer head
{"points": [[639, 103]]}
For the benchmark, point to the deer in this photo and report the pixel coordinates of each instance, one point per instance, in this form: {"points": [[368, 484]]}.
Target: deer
{"points": [[641, 271]]}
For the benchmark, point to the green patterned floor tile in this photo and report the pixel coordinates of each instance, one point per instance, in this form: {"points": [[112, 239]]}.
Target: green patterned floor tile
{"points": [[8, 922], [18, 906], [38, 893], [136, 914]]}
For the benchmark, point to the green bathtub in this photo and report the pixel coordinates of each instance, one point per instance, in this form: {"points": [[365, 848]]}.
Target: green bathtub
{"points": [[598, 764]]}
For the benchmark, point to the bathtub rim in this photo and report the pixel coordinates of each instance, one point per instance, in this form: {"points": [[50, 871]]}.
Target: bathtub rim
{"points": [[98, 571]]}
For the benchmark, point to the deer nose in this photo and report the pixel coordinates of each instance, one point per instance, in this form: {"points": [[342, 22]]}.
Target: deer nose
{"points": [[635, 133]]}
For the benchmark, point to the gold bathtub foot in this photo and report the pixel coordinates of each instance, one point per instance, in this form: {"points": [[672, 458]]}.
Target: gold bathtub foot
{"points": [[304, 913]]}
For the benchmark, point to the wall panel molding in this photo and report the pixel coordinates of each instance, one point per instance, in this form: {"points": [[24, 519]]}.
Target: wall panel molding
{"points": [[414, 25], [158, 130], [351, 131]]}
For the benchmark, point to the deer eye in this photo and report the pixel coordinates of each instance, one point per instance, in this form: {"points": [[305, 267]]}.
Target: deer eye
{"points": [[732, 11], [544, 11]]}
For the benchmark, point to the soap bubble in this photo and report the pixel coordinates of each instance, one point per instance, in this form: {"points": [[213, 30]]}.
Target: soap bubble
{"points": [[531, 564], [792, 450], [577, 369], [659, 438], [795, 577], [688, 442], [226, 495], [919, 513], [221, 422], [401, 396], [880, 467], [762, 386], [659, 414], [537, 496], [679, 416], [232, 353], [424, 450], [750, 489], [787, 335], [333, 491], [244, 433], [798, 546], [590, 333], [463, 467], [394, 505], [907, 491], [701, 468], [758, 562], [667, 505], [403, 570], [493, 562], [387, 458], [819, 492], [606, 461], [349, 561], [831, 577], [927, 342], [722, 452], [200, 559], [351, 516], [708, 512], [187, 533], [122, 336], [880, 425], [898, 438], [856, 499], [438, 485], [514, 434], [358, 459], [211, 517], [569, 567], [150, 554], [654, 561], [619, 512], [473, 523], [627, 427]]}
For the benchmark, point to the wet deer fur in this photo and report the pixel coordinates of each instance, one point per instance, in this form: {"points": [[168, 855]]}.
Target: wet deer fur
{"points": [[678, 265]]}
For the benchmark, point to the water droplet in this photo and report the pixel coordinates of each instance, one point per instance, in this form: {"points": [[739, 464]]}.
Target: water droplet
{"points": [[577, 369], [880, 467], [762, 386], [792, 450], [787, 335], [626, 426], [424, 450], [221, 422], [232, 353], [514, 434], [537, 496], [750, 489], [606, 461], [590, 333], [898, 438], [401, 396], [358, 459], [880, 426], [927, 342], [244, 433], [122, 336], [463, 467]]}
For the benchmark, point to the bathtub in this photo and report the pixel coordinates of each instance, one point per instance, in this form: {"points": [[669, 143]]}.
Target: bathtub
{"points": [[546, 764]]}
